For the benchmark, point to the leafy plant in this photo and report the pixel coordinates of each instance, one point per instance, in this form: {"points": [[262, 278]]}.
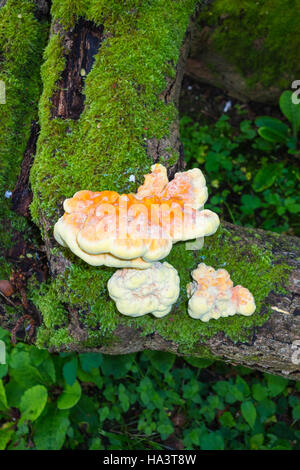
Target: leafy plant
{"points": [[252, 181], [149, 400], [276, 131]]}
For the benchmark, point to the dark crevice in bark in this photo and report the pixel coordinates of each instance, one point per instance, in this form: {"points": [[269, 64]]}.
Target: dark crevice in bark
{"points": [[42, 10], [83, 44], [22, 195]]}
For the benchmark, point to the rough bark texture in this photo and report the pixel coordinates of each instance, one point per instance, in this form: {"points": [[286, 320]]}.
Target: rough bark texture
{"points": [[22, 195], [273, 346], [82, 45]]}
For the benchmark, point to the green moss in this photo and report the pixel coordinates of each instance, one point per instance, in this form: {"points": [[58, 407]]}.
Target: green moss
{"points": [[22, 39], [100, 317], [53, 339], [245, 264], [259, 38], [123, 108]]}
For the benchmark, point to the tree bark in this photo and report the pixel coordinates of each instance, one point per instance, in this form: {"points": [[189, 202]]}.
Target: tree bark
{"points": [[273, 346]]}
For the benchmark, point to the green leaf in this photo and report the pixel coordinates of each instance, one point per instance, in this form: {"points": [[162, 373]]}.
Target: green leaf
{"points": [[33, 403], [90, 361], [276, 384], [296, 412], [259, 392], [274, 124], [271, 135], [162, 361], [6, 433], [123, 397], [212, 441], [3, 370], [51, 428], [191, 438], [292, 206], [199, 362], [250, 203], [85, 412], [165, 429], [256, 441], [266, 409], [103, 413], [249, 413], [96, 444], [3, 399], [290, 110], [118, 366], [266, 176], [93, 377], [227, 420], [70, 396], [70, 371], [246, 128]]}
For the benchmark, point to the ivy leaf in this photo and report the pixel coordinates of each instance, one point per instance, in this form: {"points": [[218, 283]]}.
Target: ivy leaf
{"points": [[249, 413], [70, 396], [33, 403]]}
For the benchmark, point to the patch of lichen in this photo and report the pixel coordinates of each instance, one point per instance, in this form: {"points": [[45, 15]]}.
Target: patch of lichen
{"points": [[260, 38], [22, 38]]}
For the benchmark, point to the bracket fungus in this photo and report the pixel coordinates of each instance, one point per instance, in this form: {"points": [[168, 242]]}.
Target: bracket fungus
{"points": [[134, 230], [212, 295], [138, 292]]}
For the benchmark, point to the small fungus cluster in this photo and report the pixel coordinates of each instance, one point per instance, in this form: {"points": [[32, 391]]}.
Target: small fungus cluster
{"points": [[212, 295], [140, 291], [135, 231]]}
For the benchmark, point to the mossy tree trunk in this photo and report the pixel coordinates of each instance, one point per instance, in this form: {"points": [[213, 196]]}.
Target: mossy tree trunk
{"points": [[111, 81]]}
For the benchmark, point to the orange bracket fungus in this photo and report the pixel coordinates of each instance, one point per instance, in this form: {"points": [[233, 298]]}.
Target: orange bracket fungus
{"points": [[138, 292], [212, 295], [134, 230]]}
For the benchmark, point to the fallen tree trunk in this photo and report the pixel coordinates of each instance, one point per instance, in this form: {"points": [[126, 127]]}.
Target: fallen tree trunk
{"points": [[108, 111]]}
